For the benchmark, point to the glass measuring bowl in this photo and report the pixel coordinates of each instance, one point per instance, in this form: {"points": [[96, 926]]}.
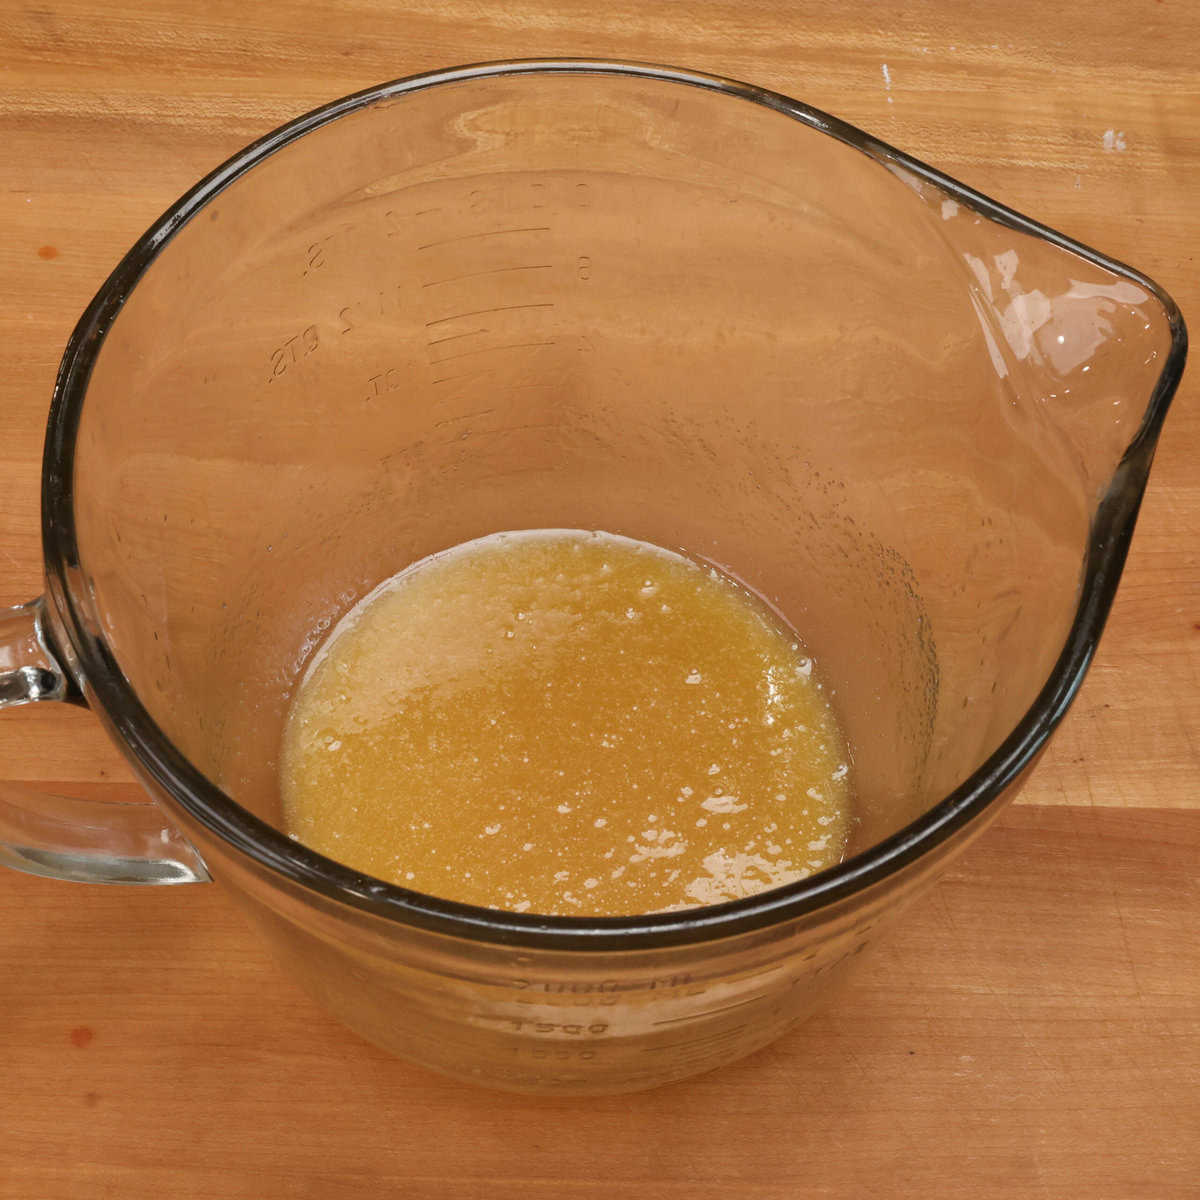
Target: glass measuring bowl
{"points": [[591, 295]]}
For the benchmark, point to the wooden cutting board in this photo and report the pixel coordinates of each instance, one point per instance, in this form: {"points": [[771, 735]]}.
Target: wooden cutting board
{"points": [[1033, 1030]]}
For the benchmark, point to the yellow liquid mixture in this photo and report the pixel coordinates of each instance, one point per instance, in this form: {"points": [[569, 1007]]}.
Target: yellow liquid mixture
{"points": [[567, 722]]}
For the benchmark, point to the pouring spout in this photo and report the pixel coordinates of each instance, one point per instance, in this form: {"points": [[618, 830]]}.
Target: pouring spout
{"points": [[1066, 362], [1086, 346], [1094, 346]]}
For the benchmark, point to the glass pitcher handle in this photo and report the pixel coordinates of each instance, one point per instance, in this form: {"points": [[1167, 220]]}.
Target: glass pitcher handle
{"points": [[87, 841]]}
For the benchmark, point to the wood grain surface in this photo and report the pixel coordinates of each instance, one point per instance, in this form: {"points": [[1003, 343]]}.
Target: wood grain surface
{"points": [[1034, 1029]]}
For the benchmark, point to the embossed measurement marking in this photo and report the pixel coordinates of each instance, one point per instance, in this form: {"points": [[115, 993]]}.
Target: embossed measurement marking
{"points": [[469, 237], [483, 412], [489, 350], [465, 375], [489, 271], [479, 312], [287, 356], [453, 337], [712, 1012]]}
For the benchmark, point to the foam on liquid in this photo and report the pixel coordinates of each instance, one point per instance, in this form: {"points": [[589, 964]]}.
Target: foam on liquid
{"points": [[567, 722]]}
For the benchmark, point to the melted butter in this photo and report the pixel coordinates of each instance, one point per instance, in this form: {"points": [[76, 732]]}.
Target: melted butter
{"points": [[567, 722]]}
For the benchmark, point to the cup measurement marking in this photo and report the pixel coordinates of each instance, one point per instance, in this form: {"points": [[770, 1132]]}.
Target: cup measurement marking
{"points": [[489, 350], [609, 1000], [712, 1012], [465, 375], [286, 356], [453, 337], [484, 412], [467, 237], [351, 316], [389, 380], [567, 1028], [479, 312], [383, 302], [366, 309], [594, 987], [489, 271]]}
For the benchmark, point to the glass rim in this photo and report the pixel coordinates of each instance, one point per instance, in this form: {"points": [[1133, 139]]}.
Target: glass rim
{"points": [[159, 760]]}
